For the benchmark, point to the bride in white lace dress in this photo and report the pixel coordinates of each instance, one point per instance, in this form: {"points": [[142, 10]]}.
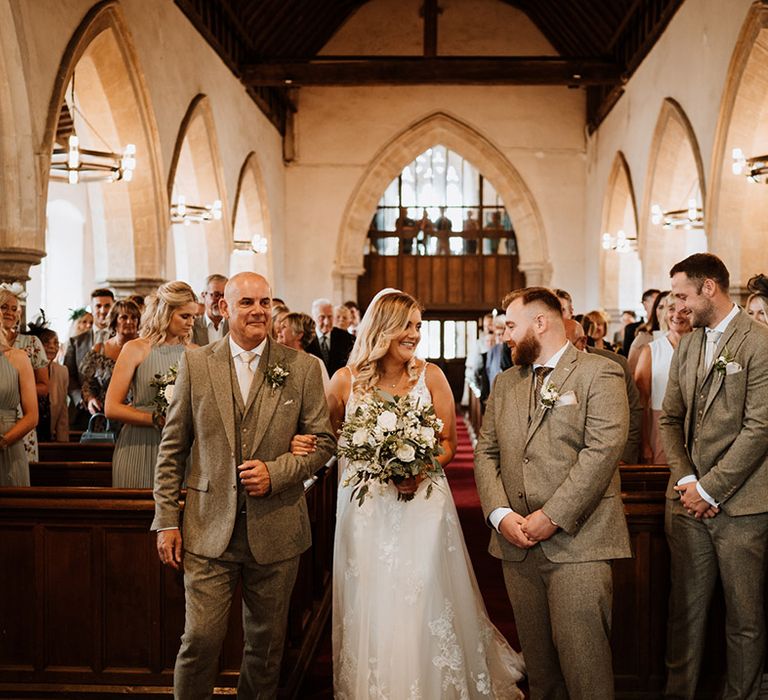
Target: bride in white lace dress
{"points": [[408, 618]]}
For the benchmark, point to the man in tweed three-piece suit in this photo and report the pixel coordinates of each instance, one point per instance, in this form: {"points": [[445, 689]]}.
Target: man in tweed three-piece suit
{"points": [[546, 467], [714, 427], [236, 406]]}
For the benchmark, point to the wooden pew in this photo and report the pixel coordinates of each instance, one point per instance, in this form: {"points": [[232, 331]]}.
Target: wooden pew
{"points": [[88, 610], [76, 451], [97, 474]]}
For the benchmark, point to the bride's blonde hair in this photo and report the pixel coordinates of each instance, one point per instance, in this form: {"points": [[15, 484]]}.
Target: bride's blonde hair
{"points": [[386, 318]]}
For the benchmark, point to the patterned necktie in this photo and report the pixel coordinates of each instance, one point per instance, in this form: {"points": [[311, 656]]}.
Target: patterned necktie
{"points": [[713, 338], [541, 374], [245, 373], [324, 349]]}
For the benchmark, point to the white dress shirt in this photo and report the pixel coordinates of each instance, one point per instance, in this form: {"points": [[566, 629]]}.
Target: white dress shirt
{"points": [[245, 371], [499, 514], [214, 333]]}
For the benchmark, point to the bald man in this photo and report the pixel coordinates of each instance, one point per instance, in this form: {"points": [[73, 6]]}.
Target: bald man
{"points": [[237, 404], [574, 331], [546, 470]]}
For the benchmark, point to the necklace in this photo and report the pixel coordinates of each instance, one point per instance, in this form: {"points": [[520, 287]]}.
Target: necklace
{"points": [[392, 386]]}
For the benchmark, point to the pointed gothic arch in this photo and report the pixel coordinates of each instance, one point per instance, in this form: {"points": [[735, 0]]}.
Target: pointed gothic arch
{"points": [[737, 210], [130, 241], [621, 271], [675, 174], [196, 172], [395, 155], [251, 218]]}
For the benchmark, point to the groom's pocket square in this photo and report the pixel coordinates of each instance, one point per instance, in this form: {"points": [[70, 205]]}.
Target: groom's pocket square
{"points": [[733, 368], [567, 399]]}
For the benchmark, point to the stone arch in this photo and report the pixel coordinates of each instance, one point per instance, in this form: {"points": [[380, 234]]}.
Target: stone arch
{"points": [[621, 272], [675, 173], [737, 210], [395, 155], [197, 173], [251, 218], [22, 230], [131, 241]]}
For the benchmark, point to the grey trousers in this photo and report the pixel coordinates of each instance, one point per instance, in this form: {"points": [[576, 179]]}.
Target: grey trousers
{"points": [[209, 585], [736, 548], [563, 618]]}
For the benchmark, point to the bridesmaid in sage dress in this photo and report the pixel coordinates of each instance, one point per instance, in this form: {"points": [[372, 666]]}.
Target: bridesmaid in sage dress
{"points": [[17, 388], [166, 327]]}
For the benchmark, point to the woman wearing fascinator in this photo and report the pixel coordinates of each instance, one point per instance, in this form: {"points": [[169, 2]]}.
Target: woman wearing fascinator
{"points": [[757, 302], [408, 617]]}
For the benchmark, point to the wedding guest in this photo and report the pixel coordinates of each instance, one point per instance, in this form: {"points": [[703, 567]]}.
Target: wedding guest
{"points": [[102, 301], [331, 345], [574, 331], [297, 331], [11, 300], [646, 332], [394, 546], [53, 417], [211, 326], [652, 374], [549, 485], [596, 327], [17, 388], [355, 311], [279, 312], [81, 321], [342, 317], [499, 357], [245, 517], [714, 427], [648, 299], [566, 302], [99, 364], [166, 329], [757, 301], [627, 317]]}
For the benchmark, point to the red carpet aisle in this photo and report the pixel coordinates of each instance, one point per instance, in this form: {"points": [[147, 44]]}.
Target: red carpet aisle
{"points": [[318, 683]]}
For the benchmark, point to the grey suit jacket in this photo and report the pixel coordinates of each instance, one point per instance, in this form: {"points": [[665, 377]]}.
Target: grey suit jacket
{"points": [[201, 425], [631, 454], [733, 438], [57, 391], [200, 331], [77, 349], [564, 462]]}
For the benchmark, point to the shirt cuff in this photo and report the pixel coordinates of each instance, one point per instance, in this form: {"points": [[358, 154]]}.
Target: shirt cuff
{"points": [[686, 479], [706, 496], [163, 529], [497, 516]]}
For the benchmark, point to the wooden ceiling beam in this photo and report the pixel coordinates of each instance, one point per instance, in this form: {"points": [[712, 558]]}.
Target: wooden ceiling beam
{"points": [[351, 71]]}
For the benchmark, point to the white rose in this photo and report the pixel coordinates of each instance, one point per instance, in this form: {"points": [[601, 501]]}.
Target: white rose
{"points": [[405, 452], [168, 392], [427, 434], [387, 420], [359, 436]]}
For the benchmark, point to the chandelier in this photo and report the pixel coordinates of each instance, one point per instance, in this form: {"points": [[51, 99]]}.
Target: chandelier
{"points": [[258, 244], [183, 213], [687, 219], [754, 169], [73, 164], [621, 243]]}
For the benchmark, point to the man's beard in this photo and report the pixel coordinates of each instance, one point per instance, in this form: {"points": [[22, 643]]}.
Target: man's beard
{"points": [[527, 350], [704, 317]]}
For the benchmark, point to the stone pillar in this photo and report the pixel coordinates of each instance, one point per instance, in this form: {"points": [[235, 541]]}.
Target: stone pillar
{"points": [[345, 283], [15, 262], [537, 273], [124, 287]]}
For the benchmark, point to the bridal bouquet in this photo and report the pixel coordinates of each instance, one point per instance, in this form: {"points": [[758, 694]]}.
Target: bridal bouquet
{"points": [[390, 439], [165, 384]]}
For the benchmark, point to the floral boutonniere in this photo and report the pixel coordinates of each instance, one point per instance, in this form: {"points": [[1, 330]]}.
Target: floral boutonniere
{"points": [[725, 364], [276, 375], [549, 395]]}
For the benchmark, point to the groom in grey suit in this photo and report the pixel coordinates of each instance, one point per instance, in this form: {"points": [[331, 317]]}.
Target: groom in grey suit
{"points": [[546, 467], [715, 432], [236, 405]]}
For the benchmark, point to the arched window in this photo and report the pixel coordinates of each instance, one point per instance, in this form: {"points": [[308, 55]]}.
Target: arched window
{"points": [[440, 204]]}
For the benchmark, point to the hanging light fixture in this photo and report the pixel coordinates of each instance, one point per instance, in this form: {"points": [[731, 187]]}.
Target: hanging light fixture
{"points": [[258, 244], [687, 219], [754, 169], [621, 243], [187, 214], [73, 164]]}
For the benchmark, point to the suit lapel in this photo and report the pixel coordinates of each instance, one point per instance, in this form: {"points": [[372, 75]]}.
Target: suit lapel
{"points": [[558, 377], [732, 339], [258, 378], [219, 370], [693, 361], [269, 397], [521, 398]]}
